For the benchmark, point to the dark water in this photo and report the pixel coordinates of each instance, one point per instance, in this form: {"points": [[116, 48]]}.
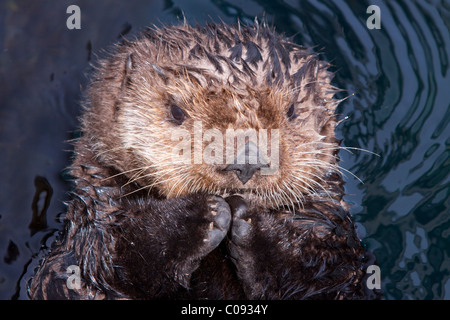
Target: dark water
{"points": [[400, 109]]}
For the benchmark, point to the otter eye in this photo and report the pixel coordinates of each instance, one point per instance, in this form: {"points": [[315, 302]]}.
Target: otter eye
{"points": [[291, 112], [177, 114]]}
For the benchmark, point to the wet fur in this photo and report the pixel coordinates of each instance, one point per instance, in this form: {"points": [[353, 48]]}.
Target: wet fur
{"points": [[141, 227]]}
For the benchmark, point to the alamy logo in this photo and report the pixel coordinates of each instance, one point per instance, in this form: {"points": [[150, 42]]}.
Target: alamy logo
{"points": [[74, 20], [374, 21], [74, 280], [252, 147], [374, 280]]}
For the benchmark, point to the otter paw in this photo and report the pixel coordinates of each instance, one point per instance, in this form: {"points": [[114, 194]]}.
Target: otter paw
{"points": [[241, 226], [220, 215]]}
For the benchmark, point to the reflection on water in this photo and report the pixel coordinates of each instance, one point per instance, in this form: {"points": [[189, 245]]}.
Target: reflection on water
{"points": [[397, 78]]}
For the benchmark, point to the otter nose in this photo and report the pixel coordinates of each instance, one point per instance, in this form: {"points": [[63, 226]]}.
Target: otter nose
{"points": [[244, 171]]}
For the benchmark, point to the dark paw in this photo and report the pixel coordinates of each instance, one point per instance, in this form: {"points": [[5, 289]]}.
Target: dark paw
{"points": [[220, 215], [241, 226]]}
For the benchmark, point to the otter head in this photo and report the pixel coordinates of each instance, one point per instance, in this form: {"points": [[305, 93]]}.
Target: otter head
{"points": [[216, 109]]}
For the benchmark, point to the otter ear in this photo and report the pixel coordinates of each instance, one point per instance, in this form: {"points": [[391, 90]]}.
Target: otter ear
{"points": [[129, 66]]}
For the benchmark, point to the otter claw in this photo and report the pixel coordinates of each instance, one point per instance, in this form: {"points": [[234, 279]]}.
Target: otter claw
{"points": [[240, 227], [220, 215]]}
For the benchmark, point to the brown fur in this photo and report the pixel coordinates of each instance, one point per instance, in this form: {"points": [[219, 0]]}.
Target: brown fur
{"points": [[127, 185]]}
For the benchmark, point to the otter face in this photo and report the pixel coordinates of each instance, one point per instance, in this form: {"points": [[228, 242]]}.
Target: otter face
{"points": [[225, 111]]}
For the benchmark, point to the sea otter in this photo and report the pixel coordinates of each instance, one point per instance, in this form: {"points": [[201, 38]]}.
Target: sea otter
{"points": [[155, 214]]}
